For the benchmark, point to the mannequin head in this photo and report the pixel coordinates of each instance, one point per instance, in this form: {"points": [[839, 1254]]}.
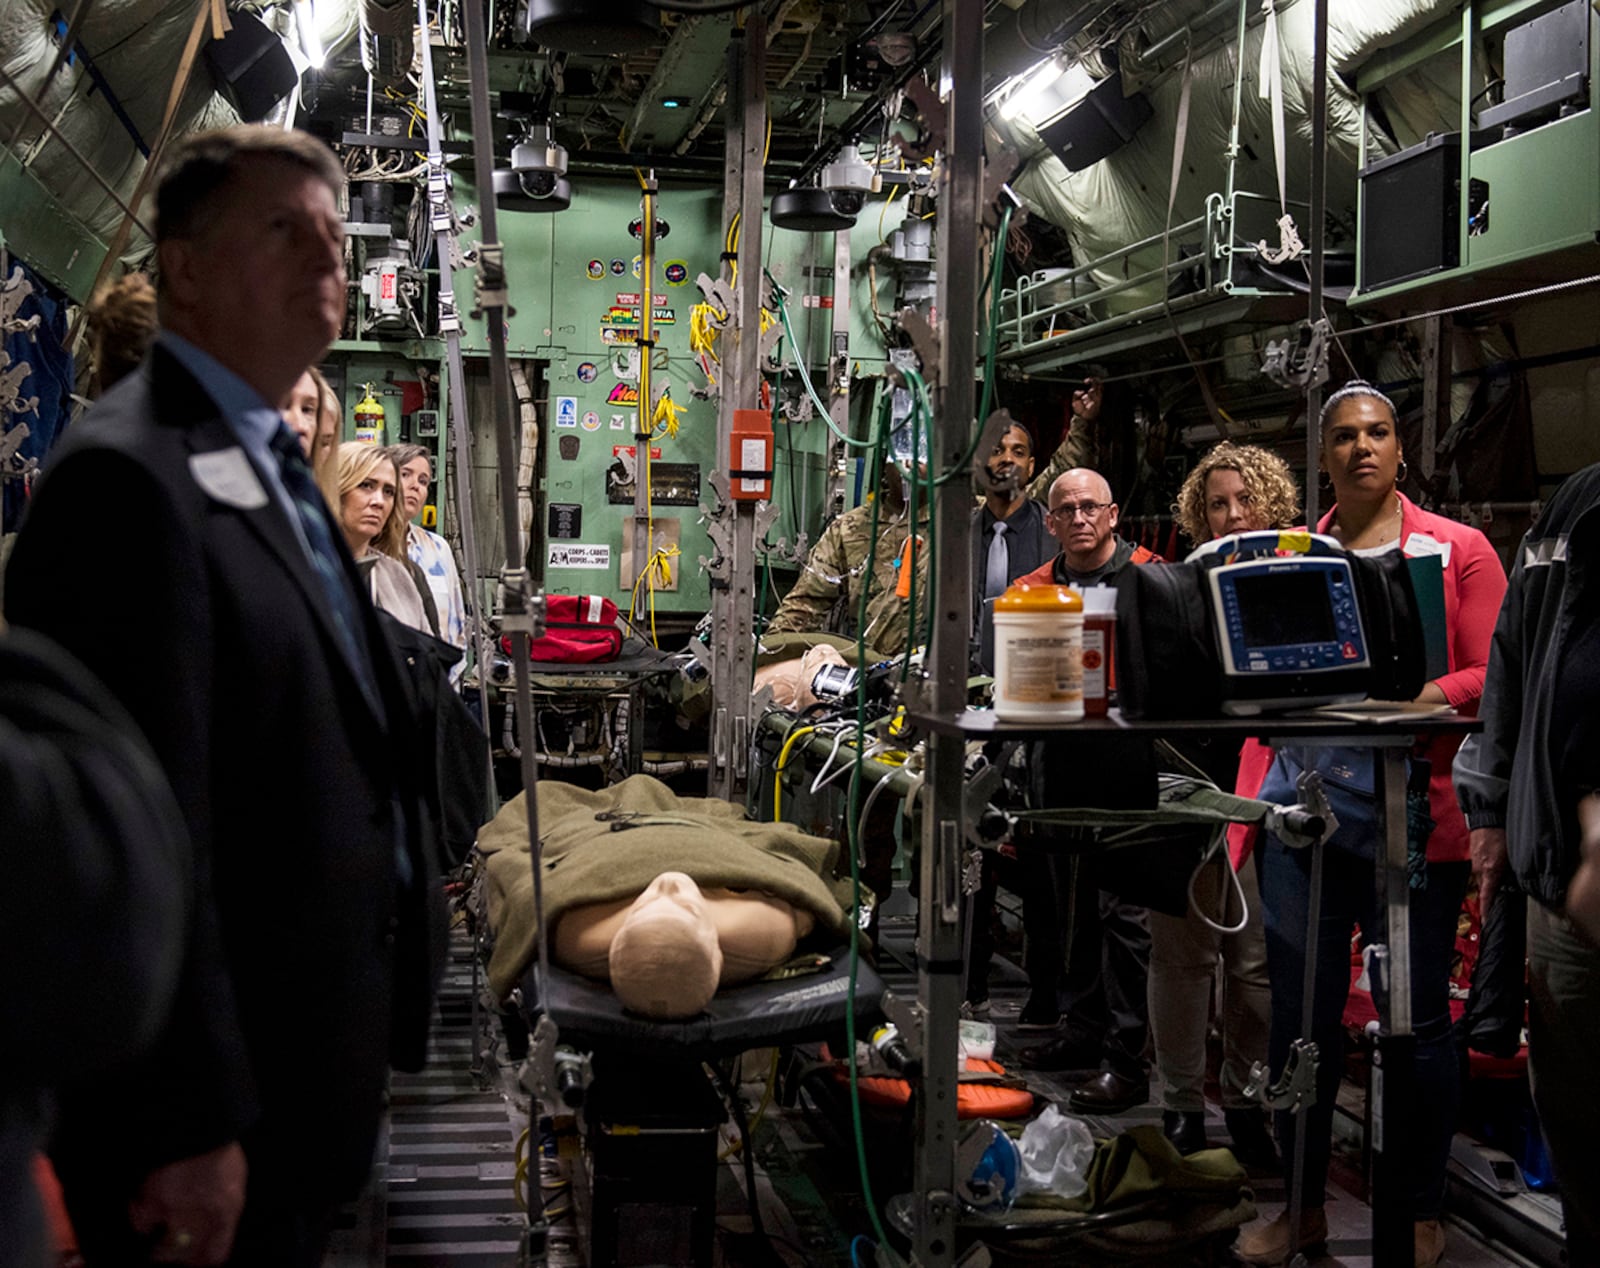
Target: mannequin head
{"points": [[665, 959]]}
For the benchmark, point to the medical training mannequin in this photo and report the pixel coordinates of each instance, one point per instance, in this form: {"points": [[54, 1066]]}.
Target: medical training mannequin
{"points": [[668, 951]]}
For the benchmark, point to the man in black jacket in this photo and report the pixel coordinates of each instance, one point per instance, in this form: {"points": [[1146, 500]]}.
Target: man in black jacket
{"points": [[1528, 786], [178, 546], [92, 904]]}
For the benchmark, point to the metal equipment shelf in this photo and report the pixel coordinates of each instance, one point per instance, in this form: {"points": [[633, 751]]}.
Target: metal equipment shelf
{"points": [[982, 724]]}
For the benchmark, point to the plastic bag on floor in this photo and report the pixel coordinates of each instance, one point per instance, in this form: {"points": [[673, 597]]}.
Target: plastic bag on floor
{"points": [[1056, 1152]]}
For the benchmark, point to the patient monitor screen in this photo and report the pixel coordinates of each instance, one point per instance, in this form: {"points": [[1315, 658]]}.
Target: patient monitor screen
{"points": [[1285, 609]]}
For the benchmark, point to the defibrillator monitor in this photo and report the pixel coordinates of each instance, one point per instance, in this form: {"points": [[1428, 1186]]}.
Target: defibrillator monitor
{"points": [[1288, 623]]}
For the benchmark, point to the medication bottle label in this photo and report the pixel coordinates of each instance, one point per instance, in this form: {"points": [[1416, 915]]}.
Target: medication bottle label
{"points": [[1044, 671]]}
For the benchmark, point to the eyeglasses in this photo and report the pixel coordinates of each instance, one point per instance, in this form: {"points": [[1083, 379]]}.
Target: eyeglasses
{"points": [[1071, 510]]}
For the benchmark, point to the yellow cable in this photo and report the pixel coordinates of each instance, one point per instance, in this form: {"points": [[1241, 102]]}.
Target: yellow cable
{"points": [[882, 237], [783, 758], [767, 148]]}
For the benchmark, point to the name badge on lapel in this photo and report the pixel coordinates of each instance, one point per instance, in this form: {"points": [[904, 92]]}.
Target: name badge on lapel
{"points": [[227, 476]]}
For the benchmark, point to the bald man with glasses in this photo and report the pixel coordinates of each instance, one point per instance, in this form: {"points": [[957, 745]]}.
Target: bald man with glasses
{"points": [[1082, 517], [1094, 990]]}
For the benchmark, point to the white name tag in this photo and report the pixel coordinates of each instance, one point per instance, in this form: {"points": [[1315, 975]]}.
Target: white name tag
{"points": [[1419, 545], [227, 476]]}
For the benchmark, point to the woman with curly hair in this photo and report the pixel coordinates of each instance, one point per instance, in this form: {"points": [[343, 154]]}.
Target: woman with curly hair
{"points": [[1234, 489], [122, 326]]}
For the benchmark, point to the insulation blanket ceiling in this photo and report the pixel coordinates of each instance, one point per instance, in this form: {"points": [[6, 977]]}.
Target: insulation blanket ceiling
{"points": [[1123, 199], [137, 46]]}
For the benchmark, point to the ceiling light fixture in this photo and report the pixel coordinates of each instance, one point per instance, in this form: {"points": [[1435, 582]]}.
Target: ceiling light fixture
{"points": [[305, 20], [1043, 92]]}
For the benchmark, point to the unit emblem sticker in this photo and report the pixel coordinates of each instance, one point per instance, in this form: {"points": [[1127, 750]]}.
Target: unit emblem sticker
{"points": [[623, 394], [638, 266], [566, 520], [618, 267], [597, 270], [568, 446], [566, 411], [591, 421], [587, 371], [677, 272], [619, 422], [575, 555]]}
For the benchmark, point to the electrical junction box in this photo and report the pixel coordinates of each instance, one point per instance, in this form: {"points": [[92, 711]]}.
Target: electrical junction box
{"points": [[425, 424]]}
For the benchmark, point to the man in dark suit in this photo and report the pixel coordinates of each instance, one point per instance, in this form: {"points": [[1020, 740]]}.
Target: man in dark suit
{"points": [[177, 545], [1009, 534]]}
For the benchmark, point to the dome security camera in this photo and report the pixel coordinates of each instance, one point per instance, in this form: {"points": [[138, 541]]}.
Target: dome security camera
{"points": [[849, 179]]}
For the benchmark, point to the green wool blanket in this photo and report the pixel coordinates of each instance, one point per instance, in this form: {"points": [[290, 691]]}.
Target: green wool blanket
{"points": [[608, 845]]}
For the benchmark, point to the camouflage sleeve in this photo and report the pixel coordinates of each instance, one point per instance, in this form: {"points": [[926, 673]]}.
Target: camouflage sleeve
{"points": [[1077, 450], [805, 608]]}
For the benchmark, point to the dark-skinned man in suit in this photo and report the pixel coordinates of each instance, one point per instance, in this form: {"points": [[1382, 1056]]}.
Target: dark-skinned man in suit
{"points": [[239, 640]]}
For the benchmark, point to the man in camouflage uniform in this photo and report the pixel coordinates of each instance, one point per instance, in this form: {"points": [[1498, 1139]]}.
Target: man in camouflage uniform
{"points": [[1079, 447], [833, 573]]}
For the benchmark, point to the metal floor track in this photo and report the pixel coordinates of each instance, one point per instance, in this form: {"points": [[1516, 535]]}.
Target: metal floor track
{"points": [[442, 1193]]}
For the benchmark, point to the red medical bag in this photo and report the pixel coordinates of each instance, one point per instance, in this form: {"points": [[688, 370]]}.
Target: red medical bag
{"points": [[580, 629]]}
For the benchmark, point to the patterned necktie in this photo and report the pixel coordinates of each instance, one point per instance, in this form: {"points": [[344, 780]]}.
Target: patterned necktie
{"points": [[999, 562], [311, 507]]}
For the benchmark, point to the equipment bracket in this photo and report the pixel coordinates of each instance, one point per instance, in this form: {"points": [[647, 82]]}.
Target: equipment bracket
{"points": [[1296, 1089]]}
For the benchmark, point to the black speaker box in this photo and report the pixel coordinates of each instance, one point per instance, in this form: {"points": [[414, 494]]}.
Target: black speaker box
{"points": [[1411, 212], [1101, 124], [251, 66]]}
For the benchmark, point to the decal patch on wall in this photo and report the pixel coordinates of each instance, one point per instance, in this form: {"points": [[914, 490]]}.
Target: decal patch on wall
{"points": [[566, 520], [575, 556]]}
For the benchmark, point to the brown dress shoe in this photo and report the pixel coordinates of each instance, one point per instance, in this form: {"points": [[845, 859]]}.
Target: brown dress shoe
{"points": [[1268, 1241], [1429, 1243]]}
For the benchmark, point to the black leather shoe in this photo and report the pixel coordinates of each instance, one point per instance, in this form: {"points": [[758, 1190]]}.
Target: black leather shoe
{"points": [[1186, 1129], [1065, 1057], [1109, 1093], [1252, 1143]]}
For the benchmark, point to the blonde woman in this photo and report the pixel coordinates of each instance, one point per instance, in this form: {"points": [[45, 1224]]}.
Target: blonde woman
{"points": [[330, 427], [374, 525]]}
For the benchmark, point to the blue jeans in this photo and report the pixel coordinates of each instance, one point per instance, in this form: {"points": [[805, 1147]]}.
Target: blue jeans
{"points": [[1349, 899]]}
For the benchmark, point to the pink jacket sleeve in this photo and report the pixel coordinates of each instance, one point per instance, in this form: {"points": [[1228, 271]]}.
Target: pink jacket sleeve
{"points": [[1255, 758], [1475, 585]]}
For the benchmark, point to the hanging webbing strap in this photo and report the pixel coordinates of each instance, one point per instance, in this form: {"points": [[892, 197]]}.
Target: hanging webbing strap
{"points": [[1269, 86], [1180, 141]]}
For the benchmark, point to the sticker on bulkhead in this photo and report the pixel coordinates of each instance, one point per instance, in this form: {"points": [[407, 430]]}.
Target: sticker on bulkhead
{"points": [[638, 266], [677, 272], [566, 411], [591, 421], [619, 422], [618, 267], [597, 270], [227, 476], [623, 394], [587, 371], [578, 555]]}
